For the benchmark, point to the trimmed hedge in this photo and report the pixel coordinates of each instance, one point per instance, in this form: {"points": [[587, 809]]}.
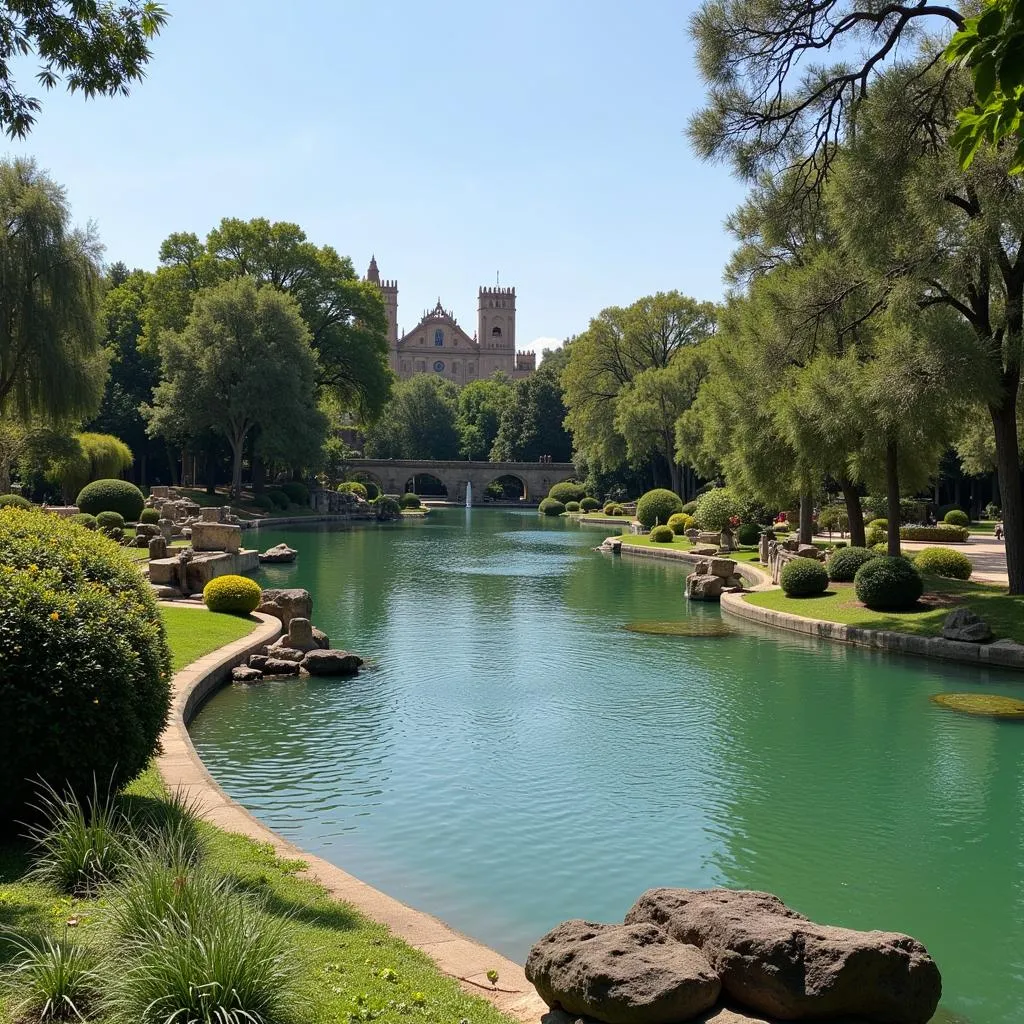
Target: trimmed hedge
{"points": [[551, 507], [946, 562], [944, 533], [715, 508], [657, 506], [279, 498], [232, 595], [879, 524], [690, 507], [111, 496], [297, 491], [662, 534], [680, 523], [149, 515], [803, 577], [568, 490], [409, 500], [748, 533], [888, 584], [874, 535], [944, 510], [572, 506], [353, 487], [108, 521], [957, 517], [263, 502], [84, 664], [590, 505], [845, 562], [84, 519], [387, 507], [14, 501]]}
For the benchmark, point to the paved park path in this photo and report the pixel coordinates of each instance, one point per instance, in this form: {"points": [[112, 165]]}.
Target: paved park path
{"points": [[987, 554]]}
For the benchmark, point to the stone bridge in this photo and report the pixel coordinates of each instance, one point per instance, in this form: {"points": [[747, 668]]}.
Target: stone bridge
{"points": [[394, 476]]}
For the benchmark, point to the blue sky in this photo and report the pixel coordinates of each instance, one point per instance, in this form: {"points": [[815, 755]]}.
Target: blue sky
{"points": [[454, 140]]}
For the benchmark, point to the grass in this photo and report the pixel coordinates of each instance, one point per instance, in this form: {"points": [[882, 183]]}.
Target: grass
{"points": [[193, 633], [142, 554], [1005, 614], [746, 554]]}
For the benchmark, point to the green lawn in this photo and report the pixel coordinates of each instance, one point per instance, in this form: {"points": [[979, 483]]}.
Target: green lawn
{"points": [[986, 528], [193, 633], [1003, 613]]}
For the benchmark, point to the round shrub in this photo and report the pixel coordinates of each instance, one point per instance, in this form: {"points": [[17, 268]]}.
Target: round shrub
{"points": [[278, 497], [232, 595], [880, 549], [690, 507], [715, 508], [568, 490], [263, 502], [617, 510], [803, 577], [841, 544], [84, 668], [944, 511], [409, 500], [372, 490], [572, 506], [590, 504], [109, 521], [111, 496], [84, 519], [14, 501], [954, 565], [353, 487], [680, 523], [662, 534], [149, 515], [551, 507], [845, 562], [875, 535], [657, 506], [888, 584], [748, 533], [387, 507], [297, 491], [879, 524], [957, 517]]}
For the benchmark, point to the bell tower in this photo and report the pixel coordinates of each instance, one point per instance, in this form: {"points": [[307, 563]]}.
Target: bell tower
{"points": [[496, 330], [389, 291]]}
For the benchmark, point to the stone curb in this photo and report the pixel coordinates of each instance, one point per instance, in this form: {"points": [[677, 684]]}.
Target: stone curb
{"points": [[255, 524], [181, 768], [751, 573]]}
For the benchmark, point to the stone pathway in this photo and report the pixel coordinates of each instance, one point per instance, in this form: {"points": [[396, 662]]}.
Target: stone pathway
{"points": [[987, 554]]}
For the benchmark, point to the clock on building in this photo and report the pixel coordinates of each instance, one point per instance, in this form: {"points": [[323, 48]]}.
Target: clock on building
{"points": [[439, 367]]}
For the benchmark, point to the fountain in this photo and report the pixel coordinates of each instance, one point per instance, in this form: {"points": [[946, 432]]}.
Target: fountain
{"points": [[469, 494]]}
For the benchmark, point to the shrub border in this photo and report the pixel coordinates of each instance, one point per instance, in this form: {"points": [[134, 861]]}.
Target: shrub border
{"points": [[181, 767]]}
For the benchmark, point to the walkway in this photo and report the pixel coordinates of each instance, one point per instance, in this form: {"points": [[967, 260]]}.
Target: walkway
{"points": [[987, 554]]}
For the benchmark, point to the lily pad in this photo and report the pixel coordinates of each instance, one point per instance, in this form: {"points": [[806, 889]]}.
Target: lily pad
{"points": [[989, 705], [682, 627]]}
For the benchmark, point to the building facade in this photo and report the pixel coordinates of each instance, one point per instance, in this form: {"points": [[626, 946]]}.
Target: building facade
{"points": [[437, 344]]}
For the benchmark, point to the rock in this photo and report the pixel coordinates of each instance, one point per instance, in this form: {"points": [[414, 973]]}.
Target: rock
{"points": [[241, 674], [706, 537], [704, 587], [724, 567], [283, 652], [147, 530], [331, 663], [208, 536], [278, 553], [621, 974], [735, 581], [777, 962], [164, 592], [280, 667], [258, 661], [300, 634], [157, 547], [705, 550], [808, 551], [286, 604], [321, 639], [963, 625], [166, 528]]}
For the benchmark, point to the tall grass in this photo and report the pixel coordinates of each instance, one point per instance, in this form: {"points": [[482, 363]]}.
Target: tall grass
{"points": [[170, 824], [51, 979]]}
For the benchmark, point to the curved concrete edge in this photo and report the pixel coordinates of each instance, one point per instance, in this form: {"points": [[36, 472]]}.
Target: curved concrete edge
{"points": [[181, 768], [1001, 654], [751, 573], [256, 524]]}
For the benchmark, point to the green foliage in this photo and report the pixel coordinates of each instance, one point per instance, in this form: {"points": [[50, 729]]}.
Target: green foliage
{"points": [[84, 519], [663, 534], [480, 407], [945, 533], [888, 584], [844, 562], [572, 506], [657, 506], [409, 500], [109, 522], [748, 533], [149, 515], [590, 504], [551, 507], [690, 507], [14, 501], [84, 666], [944, 510], [532, 423], [94, 457], [263, 502], [715, 508], [616, 510], [875, 535], [111, 496], [567, 491], [354, 487], [278, 498], [944, 562], [52, 979], [419, 422], [298, 492], [803, 577], [387, 507], [834, 517], [957, 518], [879, 524], [680, 523], [232, 595]]}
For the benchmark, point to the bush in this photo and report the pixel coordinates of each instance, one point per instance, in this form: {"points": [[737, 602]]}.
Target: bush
{"points": [[957, 517], [992, 511], [845, 562], [662, 534], [84, 667], [748, 533], [84, 519], [944, 533], [944, 511], [108, 522], [874, 535], [279, 498], [888, 584], [657, 506], [568, 491], [618, 510], [387, 507], [946, 562], [232, 595], [834, 517], [297, 491], [590, 505], [840, 544], [803, 577], [690, 507], [551, 507], [881, 548], [372, 490], [608, 506], [353, 487], [263, 502], [53, 979], [680, 523], [14, 501], [572, 506], [149, 515], [879, 524], [409, 500], [111, 496], [715, 508]]}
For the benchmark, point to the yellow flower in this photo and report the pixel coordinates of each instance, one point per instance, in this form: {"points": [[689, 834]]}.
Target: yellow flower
{"points": [[55, 616]]}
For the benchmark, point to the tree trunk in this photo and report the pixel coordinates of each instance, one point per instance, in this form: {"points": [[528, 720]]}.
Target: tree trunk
{"points": [[806, 534], [676, 474], [1004, 421], [259, 474], [237, 445], [892, 494], [854, 513]]}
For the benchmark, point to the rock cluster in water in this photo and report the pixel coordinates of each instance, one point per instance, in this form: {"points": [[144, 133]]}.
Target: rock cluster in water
{"points": [[723, 954]]}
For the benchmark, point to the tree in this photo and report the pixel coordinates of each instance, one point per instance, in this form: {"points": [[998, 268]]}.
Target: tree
{"points": [[532, 424], [89, 457], [96, 48], [243, 362], [51, 362], [418, 423], [481, 403]]}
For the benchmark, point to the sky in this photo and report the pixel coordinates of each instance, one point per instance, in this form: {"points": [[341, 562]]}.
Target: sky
{"points": [[457, 141]]}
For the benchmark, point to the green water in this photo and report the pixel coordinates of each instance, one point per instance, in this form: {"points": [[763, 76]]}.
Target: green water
{"points": [[516, 757]]}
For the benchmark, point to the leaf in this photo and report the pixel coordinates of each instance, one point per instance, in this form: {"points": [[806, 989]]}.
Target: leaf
{"points": [[985, 79], [1011, 66], [990, 22]]}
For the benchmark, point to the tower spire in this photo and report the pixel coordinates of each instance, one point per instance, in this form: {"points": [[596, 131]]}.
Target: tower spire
{"points": [[373, 274]]}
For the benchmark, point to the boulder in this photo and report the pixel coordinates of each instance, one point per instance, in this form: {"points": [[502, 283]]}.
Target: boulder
{"points": [[300, 635], [331, 663], [243, 674], [147, 530], [208, 536], [286, 604], [321, 639], [164, 592], [278, 553], [777, 962], [621, 974], [724, 567], [283, 652], [963, 625], [157, 547], [809, 551], [280, 667], [700, 587], [258, 661], [734, 581], [704, 550]]}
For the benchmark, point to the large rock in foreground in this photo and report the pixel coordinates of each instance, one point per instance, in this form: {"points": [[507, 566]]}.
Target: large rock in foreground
{"points": [[779, 963], [621, 974], [286, 604], [331, 663]]}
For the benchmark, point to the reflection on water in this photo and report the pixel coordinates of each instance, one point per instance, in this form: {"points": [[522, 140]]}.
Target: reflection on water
{"points": [[518, 757]]}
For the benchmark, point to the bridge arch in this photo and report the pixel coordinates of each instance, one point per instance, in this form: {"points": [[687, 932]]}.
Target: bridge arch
{"points": [[428, 485], [513, 486]]}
